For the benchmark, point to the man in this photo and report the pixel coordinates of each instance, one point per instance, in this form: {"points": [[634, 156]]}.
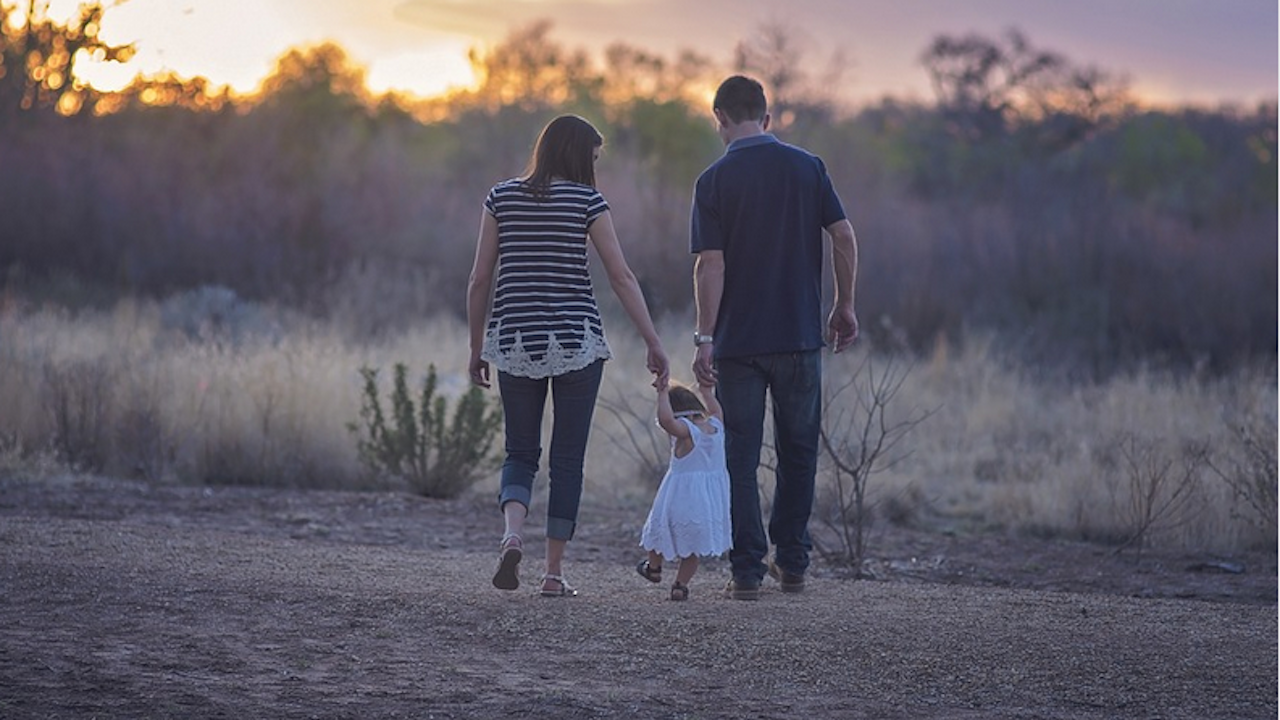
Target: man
{"points": [[759, 213]]}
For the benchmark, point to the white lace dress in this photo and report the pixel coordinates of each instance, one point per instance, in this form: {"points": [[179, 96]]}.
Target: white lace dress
{"points": [[690, 513]]}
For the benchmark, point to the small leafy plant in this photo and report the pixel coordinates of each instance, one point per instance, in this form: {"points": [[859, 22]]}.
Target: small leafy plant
{"points": [[437, 458]]}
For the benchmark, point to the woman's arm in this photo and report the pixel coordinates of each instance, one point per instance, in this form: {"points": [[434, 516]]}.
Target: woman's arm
{"points": [[479, 292], [627, 288]]}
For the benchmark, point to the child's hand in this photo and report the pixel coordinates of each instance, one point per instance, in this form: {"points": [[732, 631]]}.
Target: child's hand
{"points": [[661, 384]]}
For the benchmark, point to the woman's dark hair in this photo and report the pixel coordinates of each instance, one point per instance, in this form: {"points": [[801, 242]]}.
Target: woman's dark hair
{"points": [[741, 98], [565, 150], [685, 400]]}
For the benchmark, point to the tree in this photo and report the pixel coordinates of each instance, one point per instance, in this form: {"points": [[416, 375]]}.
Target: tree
{"points": [[987, 87], [531, 72], [37, 57], [167, 90], [777, 55], [317, 78], [632, 74]]}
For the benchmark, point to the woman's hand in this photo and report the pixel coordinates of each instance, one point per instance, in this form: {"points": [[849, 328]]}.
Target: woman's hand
{"points": [[479, 371]]}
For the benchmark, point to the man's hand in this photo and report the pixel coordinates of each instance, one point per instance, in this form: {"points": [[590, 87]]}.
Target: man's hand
{"points": [[842, 328], [703, 365]]}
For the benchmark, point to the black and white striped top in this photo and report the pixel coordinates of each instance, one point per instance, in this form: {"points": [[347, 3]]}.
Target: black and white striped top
{"points": [[544, 321]]}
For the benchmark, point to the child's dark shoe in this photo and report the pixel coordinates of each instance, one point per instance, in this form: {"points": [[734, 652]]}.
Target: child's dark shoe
{"points": [[679, 591], [649, 572]]}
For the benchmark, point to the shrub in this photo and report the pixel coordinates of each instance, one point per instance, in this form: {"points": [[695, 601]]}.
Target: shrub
{"points": [[437, 458], [78, 396], [1251, 474]]}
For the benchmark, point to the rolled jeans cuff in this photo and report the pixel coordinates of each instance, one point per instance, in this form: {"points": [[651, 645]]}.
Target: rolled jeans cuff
{"points": [[516, 493], [560, 529]]}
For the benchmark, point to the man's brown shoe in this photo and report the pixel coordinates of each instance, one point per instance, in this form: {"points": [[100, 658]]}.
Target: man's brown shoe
{"points": [[788, 582], [736, 590]]}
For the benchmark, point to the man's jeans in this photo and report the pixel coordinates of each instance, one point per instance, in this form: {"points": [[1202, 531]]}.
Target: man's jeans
{"points": [[794, 383], [573, 400]]}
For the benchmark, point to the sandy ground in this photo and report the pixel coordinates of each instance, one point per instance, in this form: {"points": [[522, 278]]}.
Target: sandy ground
{"points": [[123, 600]]}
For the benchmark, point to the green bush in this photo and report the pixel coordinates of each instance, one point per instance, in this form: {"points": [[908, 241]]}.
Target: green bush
{"points": [[438, 459]]}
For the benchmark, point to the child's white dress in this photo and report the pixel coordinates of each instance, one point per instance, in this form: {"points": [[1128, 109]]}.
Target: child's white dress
{"points": [[690, 513]]}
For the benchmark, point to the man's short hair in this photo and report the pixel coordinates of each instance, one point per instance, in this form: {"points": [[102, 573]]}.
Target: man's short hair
{"points": [[741, 98]]}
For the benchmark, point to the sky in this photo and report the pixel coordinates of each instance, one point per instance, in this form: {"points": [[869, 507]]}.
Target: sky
{"points": [[1202, 52]]}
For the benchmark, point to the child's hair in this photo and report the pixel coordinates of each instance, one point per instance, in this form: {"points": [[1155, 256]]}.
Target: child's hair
{"points": [[685, 402]]}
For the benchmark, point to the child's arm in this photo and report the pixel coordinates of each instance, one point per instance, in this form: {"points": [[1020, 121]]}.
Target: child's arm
{"points": [[667, 417], [708, 393]]}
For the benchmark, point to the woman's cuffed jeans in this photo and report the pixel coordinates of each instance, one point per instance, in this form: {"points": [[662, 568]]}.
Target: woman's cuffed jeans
{"points": [[573, 401]]}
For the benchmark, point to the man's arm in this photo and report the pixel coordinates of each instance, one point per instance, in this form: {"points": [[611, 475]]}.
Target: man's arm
{"points": [[708, 288], [842, 326]]}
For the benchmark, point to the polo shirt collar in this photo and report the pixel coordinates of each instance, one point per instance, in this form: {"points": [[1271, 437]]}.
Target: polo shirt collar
{"points": [[752, 141]]}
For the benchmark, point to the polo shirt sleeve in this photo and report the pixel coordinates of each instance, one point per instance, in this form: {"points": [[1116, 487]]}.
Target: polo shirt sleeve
{"points": [[832, 208], [705, 232]]}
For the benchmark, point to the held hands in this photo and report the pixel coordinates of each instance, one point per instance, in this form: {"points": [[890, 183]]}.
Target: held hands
{"points": [[704, 365], [842, 327], [657, 363]]}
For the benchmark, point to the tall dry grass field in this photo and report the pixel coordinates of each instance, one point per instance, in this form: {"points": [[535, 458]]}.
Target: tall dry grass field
{"points": [[209, 389]]}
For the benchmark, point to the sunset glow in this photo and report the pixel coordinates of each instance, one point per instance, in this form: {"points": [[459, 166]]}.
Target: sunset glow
{"points": [[1202, 51], [430, 72]]}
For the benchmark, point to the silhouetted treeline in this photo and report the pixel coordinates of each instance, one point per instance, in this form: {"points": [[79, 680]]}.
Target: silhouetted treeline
{"points": [[1032, 199]]}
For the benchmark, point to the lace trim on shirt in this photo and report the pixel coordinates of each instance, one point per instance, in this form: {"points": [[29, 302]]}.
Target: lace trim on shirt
{"points": [[557, 360]]}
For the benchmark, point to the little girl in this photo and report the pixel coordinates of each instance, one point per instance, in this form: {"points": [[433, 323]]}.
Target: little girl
{"points": [[690, 514]]}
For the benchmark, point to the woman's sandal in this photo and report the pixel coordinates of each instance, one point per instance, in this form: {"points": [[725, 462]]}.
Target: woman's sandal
{"points": [[565, 590], [512, 550], [649, 572], [679, 592]]}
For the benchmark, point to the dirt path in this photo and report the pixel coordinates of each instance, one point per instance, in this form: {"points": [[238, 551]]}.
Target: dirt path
{"points": [[119, 600]]}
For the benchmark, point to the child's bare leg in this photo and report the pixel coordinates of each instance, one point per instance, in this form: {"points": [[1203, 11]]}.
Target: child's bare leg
{"points": [[688, 566], [651, 567]]}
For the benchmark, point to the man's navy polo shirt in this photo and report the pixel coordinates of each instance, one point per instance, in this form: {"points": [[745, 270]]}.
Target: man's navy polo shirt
{"points": [[765, 204]]}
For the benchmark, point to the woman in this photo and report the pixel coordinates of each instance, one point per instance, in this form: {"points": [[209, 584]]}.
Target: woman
{"points": [[542, 329]]}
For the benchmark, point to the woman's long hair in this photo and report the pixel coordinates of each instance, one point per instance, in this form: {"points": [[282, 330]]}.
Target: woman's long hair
{"points": [[565, 151]]}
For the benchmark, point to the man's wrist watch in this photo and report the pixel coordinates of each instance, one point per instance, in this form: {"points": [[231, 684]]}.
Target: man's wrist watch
{"points": [[700, 339]]}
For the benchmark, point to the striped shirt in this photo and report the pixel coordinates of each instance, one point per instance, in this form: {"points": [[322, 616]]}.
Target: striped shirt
{"points": [[544, 321]]}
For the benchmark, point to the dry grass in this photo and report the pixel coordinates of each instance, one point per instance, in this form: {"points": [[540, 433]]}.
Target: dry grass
{"points": [[266, 401]]}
